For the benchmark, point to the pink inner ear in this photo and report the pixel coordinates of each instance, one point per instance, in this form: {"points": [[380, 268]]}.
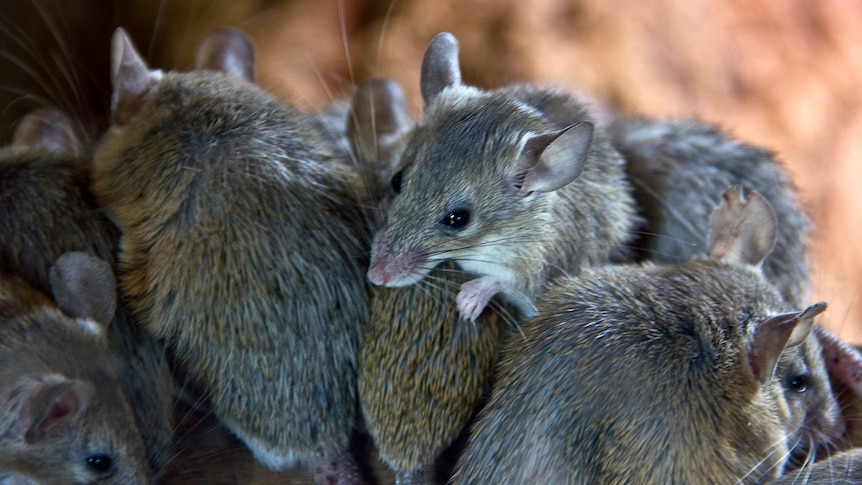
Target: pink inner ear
{"points": [[50, 405], [64, 405]]}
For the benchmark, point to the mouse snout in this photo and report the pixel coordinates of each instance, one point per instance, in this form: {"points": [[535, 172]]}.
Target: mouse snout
{"points": [[395, 268]]}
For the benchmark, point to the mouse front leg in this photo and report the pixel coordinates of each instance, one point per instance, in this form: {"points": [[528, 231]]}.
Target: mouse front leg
{"points": [[475, 295]]}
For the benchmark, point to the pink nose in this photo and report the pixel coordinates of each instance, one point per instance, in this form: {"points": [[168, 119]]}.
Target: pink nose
{"points": [[395, 269], [377, 272]]}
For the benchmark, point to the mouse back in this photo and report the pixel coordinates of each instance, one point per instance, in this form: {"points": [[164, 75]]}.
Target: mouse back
{"points": [[63, 415], [679, 168], [649, 374], [47, 207]]}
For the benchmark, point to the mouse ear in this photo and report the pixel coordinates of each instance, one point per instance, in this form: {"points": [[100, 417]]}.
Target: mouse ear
{"points": [[776, 333], [440, 67], [227, 50], [39, 406], [131, 79], [551, 161], [742, 230], [49, 129], [84, 287], [378, 119]]}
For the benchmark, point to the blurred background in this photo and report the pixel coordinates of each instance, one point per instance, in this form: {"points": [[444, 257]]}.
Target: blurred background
{"points": [[786, 75]]}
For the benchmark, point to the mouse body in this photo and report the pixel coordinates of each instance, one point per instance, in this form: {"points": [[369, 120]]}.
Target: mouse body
{"points": [[64, 417], [650, 373], [239, 248], [48, 210], [515, 185]]}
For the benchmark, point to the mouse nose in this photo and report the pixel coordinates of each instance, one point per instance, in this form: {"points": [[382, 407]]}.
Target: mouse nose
{"points": [[395, 268], [377, 272]]}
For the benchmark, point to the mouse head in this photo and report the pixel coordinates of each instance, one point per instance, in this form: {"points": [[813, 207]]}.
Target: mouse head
{"points": [[63, 418], [782, 353], [472, 175], [815, 418]]}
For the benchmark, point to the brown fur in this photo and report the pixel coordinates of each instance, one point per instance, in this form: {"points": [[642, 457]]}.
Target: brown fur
{"points": [[423, 369]]}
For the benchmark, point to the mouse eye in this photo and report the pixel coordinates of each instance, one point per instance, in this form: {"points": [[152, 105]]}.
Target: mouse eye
{"points": [[395, 183], [797, 383], [457, 219], [100, 463]]}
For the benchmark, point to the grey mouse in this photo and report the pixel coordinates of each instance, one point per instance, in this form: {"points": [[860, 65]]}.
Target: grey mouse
{"points": [[64, 417], [650, 373], [679, 168], [423, 370], [48, 210], [515, 185], [242, 248]]}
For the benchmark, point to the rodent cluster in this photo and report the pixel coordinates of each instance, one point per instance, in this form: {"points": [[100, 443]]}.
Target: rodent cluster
{"points": [[502, 291]]}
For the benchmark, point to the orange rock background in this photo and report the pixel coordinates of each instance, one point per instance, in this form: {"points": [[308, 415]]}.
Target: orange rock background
{"points": [[786, 75]]}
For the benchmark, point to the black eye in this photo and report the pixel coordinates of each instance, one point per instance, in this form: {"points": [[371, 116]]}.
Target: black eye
{"points": [[798, 383], [457, 219], [395, 183], [100, 463]]}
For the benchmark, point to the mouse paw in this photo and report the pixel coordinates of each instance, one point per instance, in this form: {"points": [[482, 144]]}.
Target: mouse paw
{"points": [[475, 295]]}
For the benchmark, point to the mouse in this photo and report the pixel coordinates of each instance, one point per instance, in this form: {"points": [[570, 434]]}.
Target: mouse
{"points": [[48, 210], [63, 415], [514, 184], [423, 370], [678, 168], [650, 373], [242, 248]]}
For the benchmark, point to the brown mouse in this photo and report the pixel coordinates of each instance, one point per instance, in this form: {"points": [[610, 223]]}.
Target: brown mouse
{"points": [[515, 185], [422, 368], [240, 248], [47, 210], [650, 374], [64, 417], [678, 168]]}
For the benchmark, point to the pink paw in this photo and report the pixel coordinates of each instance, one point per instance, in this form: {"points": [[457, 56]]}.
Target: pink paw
{"points": [[475, 295]]}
